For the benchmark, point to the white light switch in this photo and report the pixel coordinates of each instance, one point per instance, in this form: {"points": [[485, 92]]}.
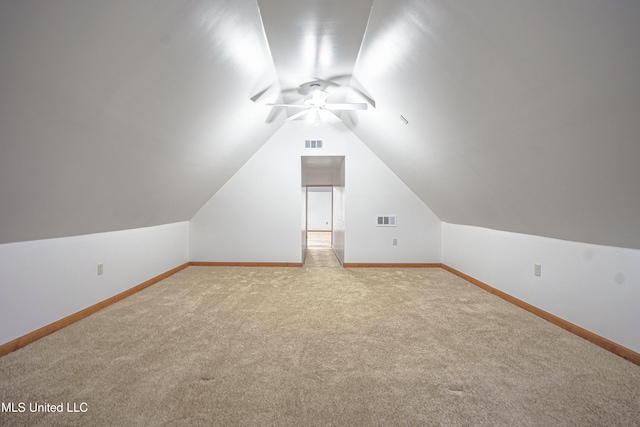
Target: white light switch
{"points": [[537, 270], [99, 269]]}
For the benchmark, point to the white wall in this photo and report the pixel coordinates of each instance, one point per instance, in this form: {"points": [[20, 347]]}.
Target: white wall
{"points": [[43, 281], [303, 224], [255, 216], [337, 238], [594, 287], [371, 188]]}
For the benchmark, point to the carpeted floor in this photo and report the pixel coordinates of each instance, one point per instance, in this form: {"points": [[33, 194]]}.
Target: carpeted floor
{"points": [[318, 345], [324, 258]]}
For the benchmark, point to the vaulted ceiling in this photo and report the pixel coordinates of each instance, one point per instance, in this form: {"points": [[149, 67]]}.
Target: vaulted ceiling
{"points": [[522, 115]]}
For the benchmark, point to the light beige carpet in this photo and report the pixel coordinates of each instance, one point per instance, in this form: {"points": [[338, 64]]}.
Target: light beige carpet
{"points": [[325, 258], [319, 346]]}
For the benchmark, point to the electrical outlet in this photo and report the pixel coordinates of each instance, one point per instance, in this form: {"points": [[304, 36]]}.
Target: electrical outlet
{"points": [[100, 269], [537, 270], [395, 242]]}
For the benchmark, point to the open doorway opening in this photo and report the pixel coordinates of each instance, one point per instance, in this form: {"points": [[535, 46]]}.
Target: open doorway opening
{"points": [[323, 224], [319, 216]]}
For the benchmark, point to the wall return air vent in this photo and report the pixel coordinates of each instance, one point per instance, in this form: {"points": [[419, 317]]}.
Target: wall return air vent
{"points": [[386, 221], [313, 143]]}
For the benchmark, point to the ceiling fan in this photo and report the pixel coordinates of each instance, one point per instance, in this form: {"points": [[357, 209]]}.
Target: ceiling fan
{"points": [[317, 101]]}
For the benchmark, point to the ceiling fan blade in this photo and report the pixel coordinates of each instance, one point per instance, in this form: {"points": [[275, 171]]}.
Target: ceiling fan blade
{"points": [[273, 114], [366, 97], [258, 95], [356, 106], [295, 116], [288, 105], [359, 89]]}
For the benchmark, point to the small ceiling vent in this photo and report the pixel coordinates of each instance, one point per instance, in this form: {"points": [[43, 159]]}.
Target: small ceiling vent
{"points": [[313, 143], [386, 221]]}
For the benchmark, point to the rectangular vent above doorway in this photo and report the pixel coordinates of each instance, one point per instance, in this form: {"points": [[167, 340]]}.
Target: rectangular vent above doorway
{"points": [[313, 143], [386, 221]]}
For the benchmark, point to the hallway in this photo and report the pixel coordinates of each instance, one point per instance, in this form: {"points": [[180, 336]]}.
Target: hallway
{"points": [[319, 252]]}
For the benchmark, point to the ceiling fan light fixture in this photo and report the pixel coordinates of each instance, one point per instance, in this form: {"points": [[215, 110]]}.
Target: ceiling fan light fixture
{"points": [[317, 103]]}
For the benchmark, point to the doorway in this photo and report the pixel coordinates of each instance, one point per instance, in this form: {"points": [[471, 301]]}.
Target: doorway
{"points": [[323, 206], [320, 216]]}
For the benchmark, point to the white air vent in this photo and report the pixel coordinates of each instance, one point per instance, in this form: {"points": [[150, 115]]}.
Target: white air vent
{"points": [[386, 221], [313, 143]]}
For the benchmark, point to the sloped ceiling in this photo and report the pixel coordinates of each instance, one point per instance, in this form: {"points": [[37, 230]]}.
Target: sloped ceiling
{"points": [[120, 114], [522, 115]]}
